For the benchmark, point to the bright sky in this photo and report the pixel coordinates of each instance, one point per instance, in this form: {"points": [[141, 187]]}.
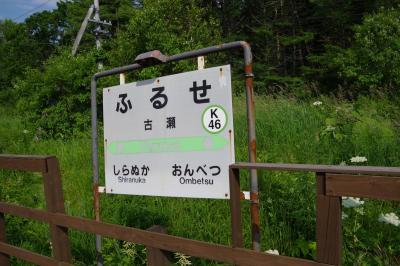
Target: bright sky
{"points": [[19, 10]]}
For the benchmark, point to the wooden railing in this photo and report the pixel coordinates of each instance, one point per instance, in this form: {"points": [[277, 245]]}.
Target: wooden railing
{"points": [[332, 182]]}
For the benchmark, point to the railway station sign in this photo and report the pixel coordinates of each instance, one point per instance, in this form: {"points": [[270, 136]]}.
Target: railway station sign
{"points": [[170, 136]]}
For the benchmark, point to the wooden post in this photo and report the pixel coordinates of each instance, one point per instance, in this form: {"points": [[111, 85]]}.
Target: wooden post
{"points": [[329, 225], [155, 256], [201, 62], [4, 259], [121, 79], [236, 214], [55, 203]]}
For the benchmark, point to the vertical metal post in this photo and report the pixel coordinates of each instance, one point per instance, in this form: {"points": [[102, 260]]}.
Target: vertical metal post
{"points": [[96, 193], [252, 147], [95, 170]]}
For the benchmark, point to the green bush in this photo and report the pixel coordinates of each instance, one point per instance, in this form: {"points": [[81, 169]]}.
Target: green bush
{"points": [[374, 59], [56, 100]]}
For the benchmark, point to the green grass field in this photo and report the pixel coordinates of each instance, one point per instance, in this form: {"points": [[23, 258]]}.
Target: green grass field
{"points": [[288, 130]]}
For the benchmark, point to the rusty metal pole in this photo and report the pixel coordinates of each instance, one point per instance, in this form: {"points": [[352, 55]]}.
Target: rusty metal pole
{"points": [[252, 147], [95, 168]]}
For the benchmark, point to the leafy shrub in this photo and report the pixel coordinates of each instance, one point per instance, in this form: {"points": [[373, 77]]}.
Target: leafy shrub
{"points": [[374, 59], [56, 101]]}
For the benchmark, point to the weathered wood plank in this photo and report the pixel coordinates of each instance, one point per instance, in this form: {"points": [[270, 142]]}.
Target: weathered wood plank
{"points": [[4, 258], [23, 162], [30, 256], [155, 256], [236, 214], [237, 256], [376, 187], [366, 170], [329, 227], [55, 203]]}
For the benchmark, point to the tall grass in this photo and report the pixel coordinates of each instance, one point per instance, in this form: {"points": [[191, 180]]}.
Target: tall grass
{"points": [[287, 131]]}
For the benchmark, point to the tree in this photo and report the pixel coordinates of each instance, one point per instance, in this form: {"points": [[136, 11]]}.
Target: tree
{"points": [[373, 60], [17, 51], [171, 26], [56, 98]]}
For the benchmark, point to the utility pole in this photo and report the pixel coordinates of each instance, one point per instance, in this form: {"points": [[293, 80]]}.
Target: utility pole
{"points": [[97, 18], [97, 30]]}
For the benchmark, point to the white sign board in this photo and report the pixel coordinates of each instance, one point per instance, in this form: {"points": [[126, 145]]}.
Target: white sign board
{"points": [[170, 136]]}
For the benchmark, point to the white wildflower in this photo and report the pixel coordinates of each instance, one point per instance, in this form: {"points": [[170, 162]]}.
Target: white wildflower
{"points": [[358, 159], [350, 202], [317, 103], [344, 215], [272, 251], [342, 163], [129, 249], [25, 131], [360, 210], [183, 260], [389, 218]]}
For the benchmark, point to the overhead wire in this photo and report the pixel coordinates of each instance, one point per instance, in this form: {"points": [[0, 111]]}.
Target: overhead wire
{"points": [[32, 10]]}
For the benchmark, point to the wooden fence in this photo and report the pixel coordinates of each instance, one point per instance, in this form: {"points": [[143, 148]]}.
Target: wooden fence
{"points": [[332, 183]]}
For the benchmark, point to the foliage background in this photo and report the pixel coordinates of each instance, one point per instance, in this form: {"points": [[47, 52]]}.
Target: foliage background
{"points": [[301, 48]]}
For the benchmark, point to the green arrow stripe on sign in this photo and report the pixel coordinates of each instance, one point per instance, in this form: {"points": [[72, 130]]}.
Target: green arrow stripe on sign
{"points": [[183, 144]]}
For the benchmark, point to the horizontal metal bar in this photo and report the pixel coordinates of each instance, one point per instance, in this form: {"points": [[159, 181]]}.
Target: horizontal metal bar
{"points": [[182, 56], [337, 169], [30, 256], [117, 70], [24, 162], [215, 49], [237, 256], [376, 187]]}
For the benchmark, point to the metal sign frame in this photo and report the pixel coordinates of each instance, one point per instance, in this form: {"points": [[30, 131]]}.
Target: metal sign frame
{"points": [[155, 58]]}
